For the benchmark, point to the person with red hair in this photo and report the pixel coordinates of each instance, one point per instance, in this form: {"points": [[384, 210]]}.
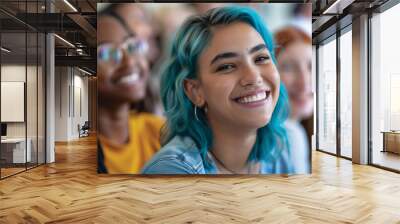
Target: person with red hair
{"points": [[294, 57]]}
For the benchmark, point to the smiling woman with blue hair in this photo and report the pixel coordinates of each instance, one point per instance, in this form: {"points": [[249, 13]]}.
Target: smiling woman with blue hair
{"points": [[224, 103]]}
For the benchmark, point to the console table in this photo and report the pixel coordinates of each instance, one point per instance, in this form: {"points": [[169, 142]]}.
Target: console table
{"points": [[391, 141]]}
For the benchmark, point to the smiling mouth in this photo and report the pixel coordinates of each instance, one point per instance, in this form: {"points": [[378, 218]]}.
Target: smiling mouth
{"points": [[129, 79], [258, 97]]}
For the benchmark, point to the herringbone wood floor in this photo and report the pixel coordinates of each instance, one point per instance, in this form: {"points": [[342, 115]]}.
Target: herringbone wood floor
{"points": [[70, 191]]}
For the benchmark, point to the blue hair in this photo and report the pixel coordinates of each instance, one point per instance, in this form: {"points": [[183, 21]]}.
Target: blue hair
{"points": [[190, 41]]}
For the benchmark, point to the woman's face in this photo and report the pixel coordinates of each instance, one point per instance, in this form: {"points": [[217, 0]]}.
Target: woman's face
{"points": [[295, 68], [124, 80], [136, 19], [238, 80]]}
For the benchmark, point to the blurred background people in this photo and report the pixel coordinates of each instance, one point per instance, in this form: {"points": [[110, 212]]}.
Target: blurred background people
{"points": [[302, 14], [137, 18], [169, 18], [201, 8], [128, 132], [294, 56]]}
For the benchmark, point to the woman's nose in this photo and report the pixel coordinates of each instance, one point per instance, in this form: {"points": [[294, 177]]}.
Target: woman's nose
{"points": [[303, 79], [127, 60], [251, 75]]}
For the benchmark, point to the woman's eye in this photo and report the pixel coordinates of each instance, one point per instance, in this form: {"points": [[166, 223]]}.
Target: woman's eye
{"points": [[104, 54], [262, 59], [131, 48], [225, 67]]}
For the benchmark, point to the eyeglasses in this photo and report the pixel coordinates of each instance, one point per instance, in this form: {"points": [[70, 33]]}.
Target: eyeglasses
{"points": [[111, 53]]}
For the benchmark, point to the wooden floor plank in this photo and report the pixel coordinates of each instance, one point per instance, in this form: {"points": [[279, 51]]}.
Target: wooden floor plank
{"points": [[70, 191]]}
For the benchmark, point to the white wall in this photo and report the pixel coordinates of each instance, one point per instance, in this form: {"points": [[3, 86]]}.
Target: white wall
{"points": [[61, 103], [13, 73], [71, 94], [80, 110]]}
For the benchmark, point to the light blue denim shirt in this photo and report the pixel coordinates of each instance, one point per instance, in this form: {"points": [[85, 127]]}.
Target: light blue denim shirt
{"points": [[300, 149], [181, 156]]}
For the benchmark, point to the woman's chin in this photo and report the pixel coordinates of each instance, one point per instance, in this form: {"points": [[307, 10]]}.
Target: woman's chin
{"points": [[255, 122], [135, 98]]}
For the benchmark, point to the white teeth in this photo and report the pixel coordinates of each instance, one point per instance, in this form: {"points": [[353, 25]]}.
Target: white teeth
{"points": [[253, 98], [132, 78]]}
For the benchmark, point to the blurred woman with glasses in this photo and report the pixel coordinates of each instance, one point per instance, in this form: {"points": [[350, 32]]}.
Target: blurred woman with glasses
{"points": [[127, 138]]}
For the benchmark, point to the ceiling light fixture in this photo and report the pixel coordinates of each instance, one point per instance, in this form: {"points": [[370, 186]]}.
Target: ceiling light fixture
{"points": [[5, 49], [326, 11], [86, 72], [64, 40], [70, 5], [337, 7]]}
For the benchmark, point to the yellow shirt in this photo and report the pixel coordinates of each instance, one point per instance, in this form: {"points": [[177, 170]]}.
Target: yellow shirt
{"points": [[144, 142]]}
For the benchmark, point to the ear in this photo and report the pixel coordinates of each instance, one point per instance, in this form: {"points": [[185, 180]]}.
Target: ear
{"points": [[194, 91]]}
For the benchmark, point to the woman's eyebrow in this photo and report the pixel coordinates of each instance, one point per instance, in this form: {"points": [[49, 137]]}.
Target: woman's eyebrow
{"points": [[223, 55], [131, 35], [103, 42], [233, 54], [257, 48]]}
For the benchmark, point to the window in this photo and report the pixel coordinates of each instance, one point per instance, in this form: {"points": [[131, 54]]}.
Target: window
{"points": [[385, 89], [346, 94], [327, 97]]}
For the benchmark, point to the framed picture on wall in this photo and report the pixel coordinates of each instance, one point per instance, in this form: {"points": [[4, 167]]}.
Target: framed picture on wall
{"points": [[223, 94]]}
